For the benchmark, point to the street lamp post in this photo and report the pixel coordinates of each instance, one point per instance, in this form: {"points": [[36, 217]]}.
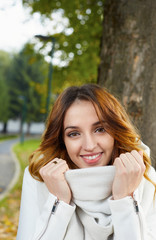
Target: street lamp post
{"points": [[49, 85], [23, 117]]}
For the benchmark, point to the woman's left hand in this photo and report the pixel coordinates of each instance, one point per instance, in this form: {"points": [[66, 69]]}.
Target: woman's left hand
{"points": [[130, 169]]}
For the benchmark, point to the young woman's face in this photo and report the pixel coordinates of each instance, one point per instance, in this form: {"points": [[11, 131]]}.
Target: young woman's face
{"points": [[86, 141]]}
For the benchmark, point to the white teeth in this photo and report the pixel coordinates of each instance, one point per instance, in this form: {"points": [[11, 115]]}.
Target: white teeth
{"points": [[92, 157]]}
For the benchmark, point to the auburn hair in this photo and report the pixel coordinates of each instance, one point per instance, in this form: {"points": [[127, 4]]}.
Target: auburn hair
{"points": [[111, 114]]}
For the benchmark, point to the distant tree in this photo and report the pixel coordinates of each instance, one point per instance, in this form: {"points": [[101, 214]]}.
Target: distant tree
{"points": [[5, 60], [4, 103], [27, 83]]}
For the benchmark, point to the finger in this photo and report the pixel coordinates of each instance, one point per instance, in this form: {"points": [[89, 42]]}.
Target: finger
{"points": [[131, 165], [49, 163], [56, 161], [49, 167], [52, 163], [138, 157], [57, 167], [127, 160], [59, 170], [54, 171], [61, 164], [135, 157], [119, 165], [139, 160], [63, 167]]}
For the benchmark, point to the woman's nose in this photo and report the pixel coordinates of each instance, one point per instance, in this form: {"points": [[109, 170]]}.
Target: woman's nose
{"points": [[89, 143]]}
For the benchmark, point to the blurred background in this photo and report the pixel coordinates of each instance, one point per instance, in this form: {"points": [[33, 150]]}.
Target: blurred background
{"points": [[46, 46]]}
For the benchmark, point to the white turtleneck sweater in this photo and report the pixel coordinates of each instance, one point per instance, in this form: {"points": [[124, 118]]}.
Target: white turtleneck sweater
{"points": [[92, 215]]}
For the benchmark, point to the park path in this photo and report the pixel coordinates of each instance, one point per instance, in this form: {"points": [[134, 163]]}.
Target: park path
{"points": [[8, 165]]}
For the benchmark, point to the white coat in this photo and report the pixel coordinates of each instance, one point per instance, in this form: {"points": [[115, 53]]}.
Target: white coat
{"points": [[92, 215]]}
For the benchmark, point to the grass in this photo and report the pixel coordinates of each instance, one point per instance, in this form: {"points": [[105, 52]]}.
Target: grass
{"points": [[9, 207], [7, 137]]}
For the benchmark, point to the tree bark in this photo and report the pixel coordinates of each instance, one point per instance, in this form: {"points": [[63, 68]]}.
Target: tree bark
{"points": [[128, 61]]}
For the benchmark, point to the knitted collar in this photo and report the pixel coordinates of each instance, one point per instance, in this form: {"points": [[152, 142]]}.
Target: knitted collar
{"points": [[93, 183], [91, 189]]}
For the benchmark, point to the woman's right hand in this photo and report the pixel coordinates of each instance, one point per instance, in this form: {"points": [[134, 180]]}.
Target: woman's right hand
{"points": [[53, 176]]}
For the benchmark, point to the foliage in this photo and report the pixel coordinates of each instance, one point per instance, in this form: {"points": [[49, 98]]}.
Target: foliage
{"points": [[5, 60], [9, 207], [79, 41], [27, 84], [4, 100]]}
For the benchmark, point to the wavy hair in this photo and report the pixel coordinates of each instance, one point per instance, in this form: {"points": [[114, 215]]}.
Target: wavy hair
{"points": [[111, 114]]}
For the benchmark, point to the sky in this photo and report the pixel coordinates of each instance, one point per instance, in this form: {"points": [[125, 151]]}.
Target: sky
{"points": [[17, 26]]}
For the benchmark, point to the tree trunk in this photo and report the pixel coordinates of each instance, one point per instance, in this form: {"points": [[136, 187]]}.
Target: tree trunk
{"points": [[127, 65], [28, 128], [4, 130]]}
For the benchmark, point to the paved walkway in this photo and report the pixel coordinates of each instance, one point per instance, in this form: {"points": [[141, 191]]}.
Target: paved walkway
{"points": [[8, 166]]}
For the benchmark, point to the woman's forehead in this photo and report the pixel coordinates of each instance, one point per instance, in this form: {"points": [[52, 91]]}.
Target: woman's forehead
{"points": [[81, 111]]}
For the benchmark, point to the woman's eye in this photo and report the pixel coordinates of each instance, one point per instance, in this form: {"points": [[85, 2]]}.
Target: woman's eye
{"points": [[73, 134], [100, 130]]}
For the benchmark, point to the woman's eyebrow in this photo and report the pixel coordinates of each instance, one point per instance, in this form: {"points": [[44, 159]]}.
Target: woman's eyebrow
{"points": [[71, 127], [98, 123]]}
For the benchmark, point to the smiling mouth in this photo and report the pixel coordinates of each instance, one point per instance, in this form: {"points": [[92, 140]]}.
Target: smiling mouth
{"points": [[92, 158]]}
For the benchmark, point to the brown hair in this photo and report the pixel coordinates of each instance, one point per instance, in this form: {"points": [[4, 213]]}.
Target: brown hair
{"points": [[110, 112]]}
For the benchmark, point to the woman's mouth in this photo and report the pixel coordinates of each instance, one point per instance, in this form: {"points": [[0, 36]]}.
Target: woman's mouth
{"points": [[91, 158]]}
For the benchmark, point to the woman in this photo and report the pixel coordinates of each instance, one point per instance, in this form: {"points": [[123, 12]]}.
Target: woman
{"points": [[91, 177]]}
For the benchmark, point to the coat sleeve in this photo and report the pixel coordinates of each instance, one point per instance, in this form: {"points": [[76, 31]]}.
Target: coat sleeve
{"points": [[135, 222], [37, 221], [125, 219]]}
